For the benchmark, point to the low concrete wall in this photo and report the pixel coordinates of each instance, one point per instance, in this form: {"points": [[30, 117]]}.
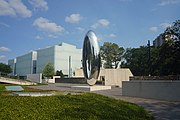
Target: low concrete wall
{"points": [[162, 90], [112, 77], [35, 77], [53, 80], [15, 81]]}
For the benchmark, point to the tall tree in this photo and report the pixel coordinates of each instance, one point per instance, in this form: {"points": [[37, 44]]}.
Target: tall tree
{"points": [[5, 68], [111, 53], [137, 60], [48, 70], [173, 32], [169, 58]]}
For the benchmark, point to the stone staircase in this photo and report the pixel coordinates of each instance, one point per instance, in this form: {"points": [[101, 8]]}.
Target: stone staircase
{"points": [[15, 81]]}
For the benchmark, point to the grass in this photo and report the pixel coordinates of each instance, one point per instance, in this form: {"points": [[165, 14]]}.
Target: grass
{"points": [[67, 107]]}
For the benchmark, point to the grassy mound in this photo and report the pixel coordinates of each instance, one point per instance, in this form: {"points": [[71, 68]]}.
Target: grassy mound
{"points": [[84, 106]]}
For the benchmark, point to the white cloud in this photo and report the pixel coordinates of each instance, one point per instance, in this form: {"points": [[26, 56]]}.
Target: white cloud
{"points": [[39, 37], [101, 22], [39, 4], [5, 49], [165, 25], [52, 36], [73, 18], [2, 57], [4, 24], [168, 2], [160, 26], [14, 8], [80, 29], [112, 35], [153, 29], [46, 25], [99, 38]]}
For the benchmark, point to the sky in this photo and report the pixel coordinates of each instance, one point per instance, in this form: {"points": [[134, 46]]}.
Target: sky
{"points": [[27, 25]]}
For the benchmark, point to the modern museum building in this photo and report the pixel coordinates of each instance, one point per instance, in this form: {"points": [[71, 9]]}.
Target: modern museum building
{"points": [[64, 57]]}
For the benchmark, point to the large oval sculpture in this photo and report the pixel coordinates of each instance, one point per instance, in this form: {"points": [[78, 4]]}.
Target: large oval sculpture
{"points": [[91, 58]]}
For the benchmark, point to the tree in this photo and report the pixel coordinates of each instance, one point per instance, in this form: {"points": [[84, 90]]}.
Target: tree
{"points": [[165, 59], [60, 73], [137, 60], [169, 62], [111, 53], [5, 68], [48, 70], [173, 32]]}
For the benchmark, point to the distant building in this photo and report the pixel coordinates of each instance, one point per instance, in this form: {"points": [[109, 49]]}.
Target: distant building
{"points": [[12, 63], [162, 38], [25, 64], [159, 40], [64, 57]]}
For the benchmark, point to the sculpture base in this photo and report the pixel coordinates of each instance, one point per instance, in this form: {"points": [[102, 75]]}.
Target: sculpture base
{"points": [[91, 88]]}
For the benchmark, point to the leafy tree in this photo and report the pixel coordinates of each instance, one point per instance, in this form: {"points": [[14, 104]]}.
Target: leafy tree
{"points": [[137, 60], [60, 73], [165, 60], [111, 53], [5, 68], [173, 32], [48, 70], [169, 62]]}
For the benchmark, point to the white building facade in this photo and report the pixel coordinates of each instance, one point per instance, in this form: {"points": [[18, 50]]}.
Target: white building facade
{"points": [[25, 64], [64, 57]]}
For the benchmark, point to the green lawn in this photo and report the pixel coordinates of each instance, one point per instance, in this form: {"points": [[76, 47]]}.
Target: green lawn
{"points": [[83, 106]]}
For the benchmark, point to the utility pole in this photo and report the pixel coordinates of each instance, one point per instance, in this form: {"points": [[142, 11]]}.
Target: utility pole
{"points": [[149, 57]]}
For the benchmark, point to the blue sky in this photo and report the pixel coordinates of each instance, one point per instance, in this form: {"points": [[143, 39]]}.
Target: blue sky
{"points": [[27, 25]]}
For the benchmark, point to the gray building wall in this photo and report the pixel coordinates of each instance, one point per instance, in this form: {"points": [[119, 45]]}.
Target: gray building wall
{"points": [[24, 64], [44, 56], [12, 63], [58, 55]]}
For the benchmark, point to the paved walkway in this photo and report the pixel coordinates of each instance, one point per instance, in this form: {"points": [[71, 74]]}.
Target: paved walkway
{"points": [[161, 110]]}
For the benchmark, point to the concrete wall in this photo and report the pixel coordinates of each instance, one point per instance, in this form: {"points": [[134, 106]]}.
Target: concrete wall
{"points": [[62, 53], [12, 63], [35, 77], [163, 90], [112, 77], [44, 56], [58, 55], [24, 64]]}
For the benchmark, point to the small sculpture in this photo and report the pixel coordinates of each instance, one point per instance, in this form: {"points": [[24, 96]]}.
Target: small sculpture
{"points": [[91, 58]]}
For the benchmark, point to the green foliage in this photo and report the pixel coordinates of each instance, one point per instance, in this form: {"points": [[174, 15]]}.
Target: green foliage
{"points": [[60, 73], [5, 68], [68, 107], [173, 32], [136, 60], [111, 53], [48, 70], [165, 60], [169, 62]]}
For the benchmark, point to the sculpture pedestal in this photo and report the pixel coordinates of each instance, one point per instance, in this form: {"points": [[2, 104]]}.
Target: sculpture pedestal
{"points": [[91, 88]]}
